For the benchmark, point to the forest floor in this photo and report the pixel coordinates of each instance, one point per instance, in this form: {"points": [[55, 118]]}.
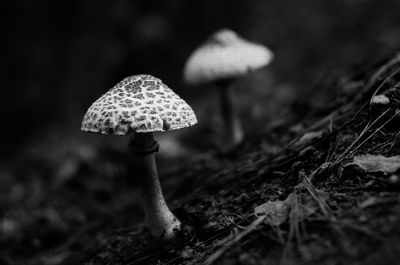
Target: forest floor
{"points": [[321, 190]]}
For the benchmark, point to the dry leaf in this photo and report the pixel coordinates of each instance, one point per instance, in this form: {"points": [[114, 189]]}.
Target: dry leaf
{"points": [[308, 137], [378, 163], [369, 202], [276, 212]]}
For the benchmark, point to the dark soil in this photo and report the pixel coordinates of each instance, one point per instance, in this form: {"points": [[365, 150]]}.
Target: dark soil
{"points": [[81, 208]]}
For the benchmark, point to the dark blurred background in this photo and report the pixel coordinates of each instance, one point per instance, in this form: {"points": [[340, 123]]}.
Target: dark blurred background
{"points": [[59, 56]]}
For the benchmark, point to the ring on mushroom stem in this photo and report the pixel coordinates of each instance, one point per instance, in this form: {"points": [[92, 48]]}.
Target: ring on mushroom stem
{"points": [[143, 144], [142, 104], [224, 57]]}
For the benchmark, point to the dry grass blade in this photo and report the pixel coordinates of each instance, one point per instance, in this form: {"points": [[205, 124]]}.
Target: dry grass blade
{"points": [[340, 158], [330, 151], [328, 214], [214, 257], [295, 219], [382, 70], [296, 229], [377, 130], [393, 142], [314, 194], [367, 127], [361, 229]]}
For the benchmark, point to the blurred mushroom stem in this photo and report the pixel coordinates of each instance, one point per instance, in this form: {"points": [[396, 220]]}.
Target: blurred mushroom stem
{"points": [[233, 128], [161, 221]]}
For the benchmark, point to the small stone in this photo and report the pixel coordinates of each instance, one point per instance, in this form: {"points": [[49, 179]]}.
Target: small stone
{"points": [[380, 100]]}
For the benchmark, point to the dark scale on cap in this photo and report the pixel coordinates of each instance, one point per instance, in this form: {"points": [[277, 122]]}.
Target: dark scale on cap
{"points": [[149, 83], [134, 87], [124, 122], [152, 88], [125, 114], [150, 95], [139, 96]]}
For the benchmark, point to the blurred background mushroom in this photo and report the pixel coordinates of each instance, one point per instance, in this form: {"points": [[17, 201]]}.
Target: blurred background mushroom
{"points": [[221, 59]]}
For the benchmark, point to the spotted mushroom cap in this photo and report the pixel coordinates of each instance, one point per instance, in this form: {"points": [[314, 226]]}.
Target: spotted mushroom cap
{"points": [[224, 55], [139, 103]]}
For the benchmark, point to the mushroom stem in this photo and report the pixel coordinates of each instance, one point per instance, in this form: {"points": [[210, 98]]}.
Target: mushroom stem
{"points": [[161, 221], [233, 128]]}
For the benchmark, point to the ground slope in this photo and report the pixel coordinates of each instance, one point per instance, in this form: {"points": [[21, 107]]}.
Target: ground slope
{"points": [[322, 201], [297, 192]]}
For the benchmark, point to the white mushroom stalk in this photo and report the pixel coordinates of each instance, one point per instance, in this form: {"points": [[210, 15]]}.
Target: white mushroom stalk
{"points": [[161, 221], [141, 105], [233, 127], [222, 58]]}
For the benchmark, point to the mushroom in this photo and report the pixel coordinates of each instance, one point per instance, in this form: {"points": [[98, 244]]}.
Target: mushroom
{"points": [[140, 105], [222, 58]]}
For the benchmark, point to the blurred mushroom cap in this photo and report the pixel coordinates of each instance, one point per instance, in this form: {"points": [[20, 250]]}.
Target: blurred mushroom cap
{"points": [[224, 55], [139, 103]]}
